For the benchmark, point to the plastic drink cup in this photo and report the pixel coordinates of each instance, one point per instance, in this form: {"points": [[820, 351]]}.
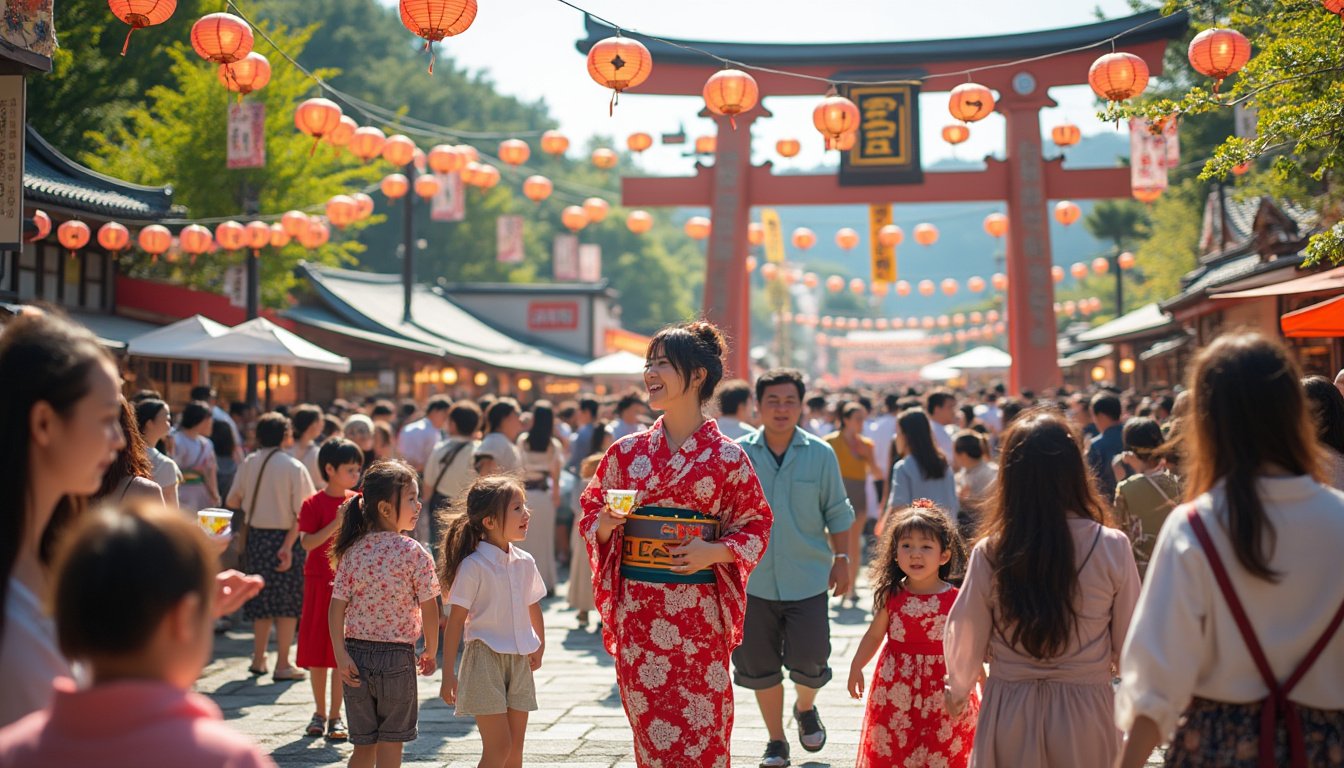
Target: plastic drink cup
{"points": [[620, 501], [213, 520]]}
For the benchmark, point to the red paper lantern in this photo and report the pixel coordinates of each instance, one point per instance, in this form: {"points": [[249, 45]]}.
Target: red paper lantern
{"points": [[975, 284], [399, 150], [1078, 269], [434, 20], [574, 218], [294, 222], [366, 143], [955, 134], [231, 236], [139, 14], [999, 281], [248, 74], [638, 142], [846, 238], [697, 227], [890, 236], [1334, 6], [114, 238], [1066, 135], [1067, 212], [1146, 194], [279, 237], [639, 222], [769, 271], [554, 143], [344, 131], [596, 208], [705, 145], [927, 288], [43, 223], [730, 92], [487, 176], [755, 233], [470, 153], [221, 37], [788, 147], [751, 263], [537, 188], [427, 186], [472, 174], [1118, 76], [619, 63], [1101, 265], [810, 280], [949, 286], [1057, 273], [317, 118], [315, 236], [970, 102], [394, 186], [835, 283], [605, 158], [195, 240], [514, 152], [1125, 260], [444, 158], [856, 286], [846, 141], [902, 288], [803, 238], [155, 240], [881, 288], [926, 234], [996, 225], [1219, 53], [342, 210], [258, 235], [834, 117]]}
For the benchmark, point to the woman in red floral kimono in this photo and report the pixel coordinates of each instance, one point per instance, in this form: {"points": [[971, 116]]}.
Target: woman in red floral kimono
{"points": [[672, 610]]}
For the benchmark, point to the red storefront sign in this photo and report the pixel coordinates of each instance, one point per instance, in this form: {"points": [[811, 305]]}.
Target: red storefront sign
{"points": [[552, 315]]}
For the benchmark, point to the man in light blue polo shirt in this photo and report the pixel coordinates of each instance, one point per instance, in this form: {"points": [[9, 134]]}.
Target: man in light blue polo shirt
{"points": [[787, 622]]}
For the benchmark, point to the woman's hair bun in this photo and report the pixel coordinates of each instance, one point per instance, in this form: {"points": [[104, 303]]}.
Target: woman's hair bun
{"points": [[710, 335]]}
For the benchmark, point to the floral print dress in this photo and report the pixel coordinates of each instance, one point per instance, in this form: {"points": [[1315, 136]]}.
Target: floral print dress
{"points": [[672, 642], [904, 724]]}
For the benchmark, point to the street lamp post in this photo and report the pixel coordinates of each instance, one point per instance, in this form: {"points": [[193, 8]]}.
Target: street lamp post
{"points": [[408, 244], [1119, 282], [253, 291]]}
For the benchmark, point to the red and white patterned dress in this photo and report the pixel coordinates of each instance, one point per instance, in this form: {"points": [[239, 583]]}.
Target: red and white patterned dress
{"points": [[672, 642], [904, 723]]}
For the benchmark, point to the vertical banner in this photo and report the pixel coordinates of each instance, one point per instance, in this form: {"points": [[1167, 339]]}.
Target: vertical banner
{"points": [[235, 285], [1147, 156], [774, 235], [247, 135], [1171, 135], [884, 257], [509, 239], [12, 106], [565, 258], [590, 263], [449, 203]]}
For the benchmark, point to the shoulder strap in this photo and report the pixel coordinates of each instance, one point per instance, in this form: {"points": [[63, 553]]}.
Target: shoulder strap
{"points": [[1091, 549], [256, 488], [1158, 487], [446, 462]]}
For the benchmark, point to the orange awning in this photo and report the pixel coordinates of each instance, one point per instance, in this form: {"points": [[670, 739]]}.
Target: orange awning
{"points": [[1329, 280], [1324, 320]]}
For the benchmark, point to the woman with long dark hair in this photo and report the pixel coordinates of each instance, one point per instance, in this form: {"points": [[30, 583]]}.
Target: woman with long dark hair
{"points": [[1241, 604], [60, 412], [855, 453], [543, 459], [154, 422], [922, 472], [497, 451], [130, 479], [1326, 406], [1048, 597], [194, 452]]}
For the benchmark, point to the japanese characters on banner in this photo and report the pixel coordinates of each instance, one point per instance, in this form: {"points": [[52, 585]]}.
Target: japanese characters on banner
{"points": [[1147, 156], [590, 263], [509, 239], [1172, 134], [884, 256], [12, 106], [774, 235], [235, 285], [449, 203], [247, 135], [565, 258]]}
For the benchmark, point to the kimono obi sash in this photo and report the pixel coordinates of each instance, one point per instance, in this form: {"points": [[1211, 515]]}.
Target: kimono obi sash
{"points": [[649, 531]]}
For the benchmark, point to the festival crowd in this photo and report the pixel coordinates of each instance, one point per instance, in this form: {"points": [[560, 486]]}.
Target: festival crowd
{"points": [[1058, 579]]}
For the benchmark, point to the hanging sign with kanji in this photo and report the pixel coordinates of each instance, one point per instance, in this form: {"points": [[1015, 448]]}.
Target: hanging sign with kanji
{"points": [[887, 148], [247, 135], [509, 231]]}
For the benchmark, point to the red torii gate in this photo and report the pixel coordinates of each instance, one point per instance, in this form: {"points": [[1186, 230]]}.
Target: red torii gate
{"points": [[1026, 181]]}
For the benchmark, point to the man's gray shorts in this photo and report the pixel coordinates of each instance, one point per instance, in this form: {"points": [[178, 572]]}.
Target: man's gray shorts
{"points": [[792, 634]]}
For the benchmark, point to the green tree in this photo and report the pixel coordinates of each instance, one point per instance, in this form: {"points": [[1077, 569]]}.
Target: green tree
{"points": [[1119, 221]]}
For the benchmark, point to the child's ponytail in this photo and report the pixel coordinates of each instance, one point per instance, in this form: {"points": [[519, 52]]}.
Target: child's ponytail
{"points": [[487, 498]]}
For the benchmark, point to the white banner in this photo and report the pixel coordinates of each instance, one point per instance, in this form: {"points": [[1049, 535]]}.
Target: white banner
{"points": [[235, 285], [1147, 156], [509, 243], [590, 263], [449, 203], [565, 258], [1171, 135], [247, 135]]}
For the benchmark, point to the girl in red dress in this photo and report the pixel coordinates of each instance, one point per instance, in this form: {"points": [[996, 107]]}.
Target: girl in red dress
{"points": [[905, 723], [340, 461], [673, 627]]}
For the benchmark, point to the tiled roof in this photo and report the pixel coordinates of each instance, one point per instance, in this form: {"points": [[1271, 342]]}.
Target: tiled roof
{"points": [[51, 178], [1145, 320]]}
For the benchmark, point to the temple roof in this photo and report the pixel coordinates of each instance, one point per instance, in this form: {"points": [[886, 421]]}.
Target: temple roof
{"points": [[1151, 25], [51, 178]]}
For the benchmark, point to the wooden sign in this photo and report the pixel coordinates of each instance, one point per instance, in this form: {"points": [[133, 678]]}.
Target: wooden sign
{"points": [[887, 149]]}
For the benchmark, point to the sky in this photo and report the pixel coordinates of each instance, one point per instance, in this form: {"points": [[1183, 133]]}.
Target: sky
{"points": [[527, 48]]}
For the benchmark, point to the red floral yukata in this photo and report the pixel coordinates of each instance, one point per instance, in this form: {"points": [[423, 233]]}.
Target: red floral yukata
{"points": [[672, 642]]}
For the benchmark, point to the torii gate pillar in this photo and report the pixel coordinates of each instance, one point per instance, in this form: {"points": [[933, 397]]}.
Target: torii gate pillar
{"points": [[726, 300]]}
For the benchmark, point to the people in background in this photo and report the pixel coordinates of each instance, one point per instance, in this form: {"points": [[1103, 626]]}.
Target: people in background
{"points": [[1108, 443], [306, 422], [449, 470], [195, 455], [975, 475], [1326, 406], [155, 422], [818, 419], [922, 471], [1145, 498], [856, 456], [941, 407], [733, 401], [543, 457], [629, 412], [130, 478], [206, 394], [418, 438], [498, 450], [585, 418], [358, 429], [580, 595], [384, 441]]}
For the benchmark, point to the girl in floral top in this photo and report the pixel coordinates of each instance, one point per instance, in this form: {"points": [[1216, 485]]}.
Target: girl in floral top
{"points": [[905, 722], [381, 600]]}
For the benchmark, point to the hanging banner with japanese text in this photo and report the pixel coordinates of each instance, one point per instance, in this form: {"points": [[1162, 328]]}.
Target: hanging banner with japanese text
{"points": [[565, 258], [1171, 134], [590, 263], [247, 135], [12, 116], [1147, 156], [509, 243], [774, 235], [449, 203], [884, 257], [887, 148]]}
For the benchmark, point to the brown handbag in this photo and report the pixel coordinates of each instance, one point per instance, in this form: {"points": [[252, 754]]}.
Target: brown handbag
{"points": [[240, 536]]}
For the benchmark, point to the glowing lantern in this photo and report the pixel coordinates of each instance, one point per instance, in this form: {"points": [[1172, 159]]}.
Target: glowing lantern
{"points": [[1125, 260], [472, 174], [221, 37], [604, 158], [537, 188], [999, 281], [881, 288], [231, 236], [856, 286], [195, 240], [140, 14], [1065, 135], [902, 288], [976, 317], [927, 288], [155, 240], [344, 131], [834, 117], [890, 236], [315, 236], [996, 224], [769, 271], [1070, 307], [955, 134], [803, 238], [317, 118], [444, 158], [639, 222], [992, 316], [619, 63], [1101, 265], [926, 234], [949, 287], [846, 141], [419, 160], [294, 222], [596, 208], [469, 152], [394, 186], [751, 263], [554, 143], [367, 143], [1067, 212], [43, 224], [574, 218], [363, 206], [788, 147], [399, 150], [279, 237], [755, 233], [638, 142], [835, 283], [487, 176], [248, 74], [705, 145], [514, 152], [970, 102], [975, 284], [342, 210], [1057, 273], [436, 19], [426, 186], [1219, 53], [730, 92], [846, 238], [114, 238], [1118, 76], [697, 227], [258, 235], [1146, 194], [1078, 269], [810, 280]]}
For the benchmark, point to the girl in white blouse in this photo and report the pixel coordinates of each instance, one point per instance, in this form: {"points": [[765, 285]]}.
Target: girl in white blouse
{"points": [[1258, 514]]}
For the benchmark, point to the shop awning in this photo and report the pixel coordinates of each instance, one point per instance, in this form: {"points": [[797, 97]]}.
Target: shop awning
{"points": [[938, 372], [1329, 280], [170, 340], [262, 342], [1165, 347], [618, 364], [982, 358], [1146, 320], [1324, 320], [1086, 355]]}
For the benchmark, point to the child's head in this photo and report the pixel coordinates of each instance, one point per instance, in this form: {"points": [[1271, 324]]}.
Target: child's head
{"points": [[390, 501], [133, 595], [340, 461], [495, 511], [913, 537]]}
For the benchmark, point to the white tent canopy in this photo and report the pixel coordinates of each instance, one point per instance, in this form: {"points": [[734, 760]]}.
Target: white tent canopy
{"points": [[170, 340], [981, 358], [938, 372], [621, 364], [262, 342]]}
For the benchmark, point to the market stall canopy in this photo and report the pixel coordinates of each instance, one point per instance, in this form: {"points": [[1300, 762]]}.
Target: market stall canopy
{"points": [[982, 358], [938, 372], [262, 342], [1318, 321], [170, 340], [622, 363]]}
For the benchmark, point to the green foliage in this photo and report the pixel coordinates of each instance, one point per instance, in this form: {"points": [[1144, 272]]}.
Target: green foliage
{"points": [[1120, 221]]}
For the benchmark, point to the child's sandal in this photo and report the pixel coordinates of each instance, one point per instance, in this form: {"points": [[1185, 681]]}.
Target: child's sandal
{"points": [[336, 730], [315, 726]]}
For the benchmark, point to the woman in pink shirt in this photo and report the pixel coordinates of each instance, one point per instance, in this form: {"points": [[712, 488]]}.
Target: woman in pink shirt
{"points": [[144, 654]]}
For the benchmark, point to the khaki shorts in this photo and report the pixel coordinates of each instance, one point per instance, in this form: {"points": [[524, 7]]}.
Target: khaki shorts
{"points": [[490, 683]]}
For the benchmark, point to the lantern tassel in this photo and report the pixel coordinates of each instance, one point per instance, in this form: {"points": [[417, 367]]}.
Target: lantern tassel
{"points": [[733, 122], [127, 44], [615, 97], [430, 47], [316, 140]]}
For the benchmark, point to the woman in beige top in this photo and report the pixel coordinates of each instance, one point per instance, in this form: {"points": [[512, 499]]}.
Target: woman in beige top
{"points": [[1187, 674], [1047, 600], [543, 457]]}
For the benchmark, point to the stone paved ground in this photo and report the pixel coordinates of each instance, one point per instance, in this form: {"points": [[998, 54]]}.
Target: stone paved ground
{"points": [[580, 722]]}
